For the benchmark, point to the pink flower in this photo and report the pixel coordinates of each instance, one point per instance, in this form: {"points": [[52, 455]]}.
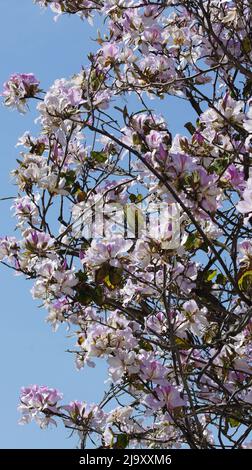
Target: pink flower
{"points": [[245, 252], [110, 51], [18, 88], [102, 99], [155, 139], [153, 370], [35, 401], [198, 137], [38, 241], [208, 191], [168, 396], [181, 164], [153, 34], [107, 251], [79, 411], [245, 206], [234, 176], [40, 397], [8, 247], [247, 124]]}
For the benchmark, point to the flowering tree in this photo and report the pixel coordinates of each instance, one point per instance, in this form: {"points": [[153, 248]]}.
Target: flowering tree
{"points": [[172, 320]]}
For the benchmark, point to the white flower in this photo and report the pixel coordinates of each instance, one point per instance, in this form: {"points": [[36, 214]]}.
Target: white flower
{"points": [[111, 251], [247, 124], [245, 205], [192, 319]]}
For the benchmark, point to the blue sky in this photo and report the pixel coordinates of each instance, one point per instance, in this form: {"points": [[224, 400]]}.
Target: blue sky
{"points": [[30, 352], [30, 41]]}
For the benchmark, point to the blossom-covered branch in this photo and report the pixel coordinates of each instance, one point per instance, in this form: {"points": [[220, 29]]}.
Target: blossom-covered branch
{"points": [[168, 309]]}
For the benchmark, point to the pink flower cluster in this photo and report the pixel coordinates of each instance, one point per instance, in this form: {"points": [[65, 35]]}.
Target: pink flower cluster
{"points": [[18, 89]]}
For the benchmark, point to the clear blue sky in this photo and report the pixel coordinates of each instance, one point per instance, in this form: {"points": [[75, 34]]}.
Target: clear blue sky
{"points": [[29, 351], [30, 41]]}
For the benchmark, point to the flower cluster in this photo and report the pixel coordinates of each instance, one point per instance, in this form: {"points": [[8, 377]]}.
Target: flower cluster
{"points": [[18, 89], [39, 403]]}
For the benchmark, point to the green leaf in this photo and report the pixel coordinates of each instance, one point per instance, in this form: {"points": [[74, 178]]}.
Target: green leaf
{"points": [[193, 242], [97, 295], [234, 423], [136, 198], [145, 345], [38, 148], [115, 275], [122, 441], [210, 275], [108, 282], [80, 195], [136, 139], [246, 45], [87, 294], [99, 157], [101, 273], [245, 281], [81, 276], [125, 113], [70, 177], [219, 165], [84, 297], [182, 343], [247, 90], [221, 279], [109, 275]]}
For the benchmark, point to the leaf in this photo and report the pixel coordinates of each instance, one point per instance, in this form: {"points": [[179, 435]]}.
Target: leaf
{"points": [[81, 276], [101, 273], [97, 295], [70, 177], [84, 297], [136, 139], [80, 195], [108, 283], [122, 441], [219, 165], [136, 198], [125, 113], [245, 281], [38, 148], [221, 279], [115, 275], [247, 90], [145, 345], [87, 294], [193, 242], [210, 275], [80, 340], [246, 45], [99, 157], [109, 275], [182, 343], [234, 423]]}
